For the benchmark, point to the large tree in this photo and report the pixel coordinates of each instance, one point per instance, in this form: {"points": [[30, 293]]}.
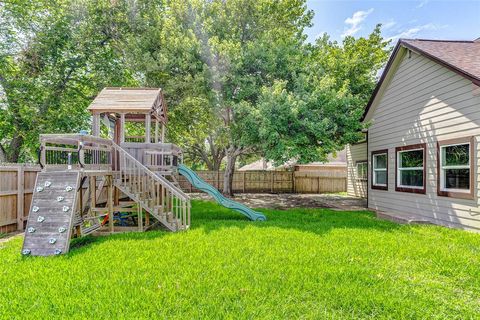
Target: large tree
{"points": [[54, 58], [321, 114], [211, 57]]}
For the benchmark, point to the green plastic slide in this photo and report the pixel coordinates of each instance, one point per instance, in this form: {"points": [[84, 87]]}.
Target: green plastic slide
{"points": [[200, 184]]}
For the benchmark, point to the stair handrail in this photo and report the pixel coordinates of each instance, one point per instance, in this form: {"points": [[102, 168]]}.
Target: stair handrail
{"points": [[167, 184]]}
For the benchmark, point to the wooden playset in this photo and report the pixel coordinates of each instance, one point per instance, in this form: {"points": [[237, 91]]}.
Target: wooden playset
{"points": [[124, 181]]}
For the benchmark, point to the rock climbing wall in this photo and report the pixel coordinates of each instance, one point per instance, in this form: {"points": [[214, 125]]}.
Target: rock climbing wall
{"points": [[51, 215]]}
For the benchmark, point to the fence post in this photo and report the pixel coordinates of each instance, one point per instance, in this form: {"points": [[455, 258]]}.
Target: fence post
{"points": [[293, 181], [318, 184], [243, 177], [20, 196], [272, 177]]}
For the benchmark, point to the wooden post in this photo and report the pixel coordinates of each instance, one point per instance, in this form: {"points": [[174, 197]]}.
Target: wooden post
{"points": [[318, 184], [156, 130], [122, 127], [147, 219], [110, 203], [96, 124], [293, 181], [93, 193], [243, 177], [148, 120], [140, 218], [271, 181], [20, 196], [79, 201], [163, 132]]}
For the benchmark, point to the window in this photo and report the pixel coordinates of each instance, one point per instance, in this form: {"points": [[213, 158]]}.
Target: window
{"points": [[410, 164], [455, 170], [362, 170], [380, 169]]}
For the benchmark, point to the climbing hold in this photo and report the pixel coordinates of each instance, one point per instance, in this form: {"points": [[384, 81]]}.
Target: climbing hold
{"points": [[68, 188], [26, 251], [40, 219], [65, 208], [60, 198], [31, 230], [62, 229], [48, 184], [57, 252], [35, 208], [52, 240], [39, 189]]}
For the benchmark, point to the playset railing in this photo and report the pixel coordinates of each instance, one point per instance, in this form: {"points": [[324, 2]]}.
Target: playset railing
{"points": [[155, 193], [75, 151], [161, 158]]}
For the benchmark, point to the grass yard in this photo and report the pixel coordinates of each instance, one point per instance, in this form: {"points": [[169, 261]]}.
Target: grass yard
{"points": [[303, 263]]}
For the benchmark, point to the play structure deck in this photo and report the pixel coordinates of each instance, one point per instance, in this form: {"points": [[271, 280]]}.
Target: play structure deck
{"points": [[122, 177]]}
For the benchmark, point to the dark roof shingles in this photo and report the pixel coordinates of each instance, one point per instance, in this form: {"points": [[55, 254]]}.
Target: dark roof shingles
{"points": [[462, 55]]}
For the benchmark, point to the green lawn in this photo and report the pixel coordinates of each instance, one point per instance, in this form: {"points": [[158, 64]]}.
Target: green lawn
{"points": [[311, 264]]}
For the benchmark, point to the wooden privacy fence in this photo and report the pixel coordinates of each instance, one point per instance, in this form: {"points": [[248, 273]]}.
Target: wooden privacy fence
{"points": [[17, 183], [16, 188], [275, 181]]}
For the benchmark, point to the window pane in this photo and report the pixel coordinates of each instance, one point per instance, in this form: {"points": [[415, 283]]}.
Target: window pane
{"points": [[456, 155], [362, 170], [411, 178], [410, 159], [380, 177], [457, 179], [380, 161]]}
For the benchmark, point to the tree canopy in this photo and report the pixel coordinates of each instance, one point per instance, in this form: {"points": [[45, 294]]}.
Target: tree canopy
{"points": [[239, 76]]}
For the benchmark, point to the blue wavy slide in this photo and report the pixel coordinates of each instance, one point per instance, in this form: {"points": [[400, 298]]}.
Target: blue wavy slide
{"points": [[200, 184]]}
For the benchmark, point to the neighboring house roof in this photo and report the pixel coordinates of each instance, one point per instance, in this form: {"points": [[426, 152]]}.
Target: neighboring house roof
{"points": [[130, 100], [262, 164], [462, 57], [339, 160]]}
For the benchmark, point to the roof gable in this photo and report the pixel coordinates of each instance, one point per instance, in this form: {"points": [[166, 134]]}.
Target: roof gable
{"points": [[462, 57]]}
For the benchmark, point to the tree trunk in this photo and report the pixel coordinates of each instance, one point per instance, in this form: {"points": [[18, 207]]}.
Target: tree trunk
{"points": [[15, 148], [232, 154], [3, 154]]}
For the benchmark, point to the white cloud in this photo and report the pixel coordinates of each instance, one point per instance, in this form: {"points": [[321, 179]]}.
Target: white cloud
{"points": [[414, 31], [422, 4], [388, 24], [354, 22]]}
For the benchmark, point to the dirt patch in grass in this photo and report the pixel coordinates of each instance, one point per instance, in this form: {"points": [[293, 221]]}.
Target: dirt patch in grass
{"points": [[284, 201]]}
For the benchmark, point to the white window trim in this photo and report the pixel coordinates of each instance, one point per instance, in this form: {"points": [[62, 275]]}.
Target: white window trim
{"points": [[365, 163], [374, 182], [399, 169], [443, 168]]}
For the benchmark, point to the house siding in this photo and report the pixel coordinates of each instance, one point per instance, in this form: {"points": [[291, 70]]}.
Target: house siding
{"points": [[355, 186], [425, 102]]}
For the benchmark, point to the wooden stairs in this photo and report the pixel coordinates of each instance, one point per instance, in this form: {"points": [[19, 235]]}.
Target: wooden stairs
{"points": [[155, 194]]}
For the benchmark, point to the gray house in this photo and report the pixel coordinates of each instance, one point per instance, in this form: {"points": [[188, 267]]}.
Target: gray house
{"points": [[421, 153]]}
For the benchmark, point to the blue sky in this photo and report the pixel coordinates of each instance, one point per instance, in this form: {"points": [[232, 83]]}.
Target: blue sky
{"points": [[454, 20]]}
